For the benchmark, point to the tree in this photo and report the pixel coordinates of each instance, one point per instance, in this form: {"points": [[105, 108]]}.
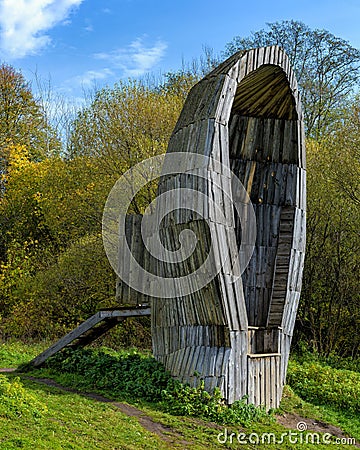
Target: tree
{"points": [[327, 68], [329, 313], [52, 301], [125, 125], [51, 209], [22, 120], [344, 144]]}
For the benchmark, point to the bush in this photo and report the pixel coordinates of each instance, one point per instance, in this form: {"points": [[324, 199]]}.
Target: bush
{"points": [[324, 385], [183, 400], [51, 302], [137, 376], [129, 374]]}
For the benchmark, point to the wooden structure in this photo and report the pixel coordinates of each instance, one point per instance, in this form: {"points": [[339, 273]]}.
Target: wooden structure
{"points": [[236, 335], [244, 117], [91, 329]]}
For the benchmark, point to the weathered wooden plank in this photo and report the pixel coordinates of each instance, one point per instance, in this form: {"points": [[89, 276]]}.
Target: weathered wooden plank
{"points": [[87, 326]]}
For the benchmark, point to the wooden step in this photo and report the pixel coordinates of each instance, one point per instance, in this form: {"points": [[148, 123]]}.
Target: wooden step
{"points": [[91, 329]]}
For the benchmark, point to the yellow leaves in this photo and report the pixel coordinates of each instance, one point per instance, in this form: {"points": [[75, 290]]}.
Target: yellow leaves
{"points": [[18, 157], [37, 196]]}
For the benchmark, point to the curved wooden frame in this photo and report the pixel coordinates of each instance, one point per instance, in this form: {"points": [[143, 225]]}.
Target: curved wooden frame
{"points": [[247, 115]]}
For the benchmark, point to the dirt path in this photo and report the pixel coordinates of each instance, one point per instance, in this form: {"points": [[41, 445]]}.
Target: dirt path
{"points": [[165, 433], [169, 435], [296, 422]]}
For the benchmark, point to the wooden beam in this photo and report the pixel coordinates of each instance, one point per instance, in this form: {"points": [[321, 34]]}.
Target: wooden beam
{"points": [[88, 325]]}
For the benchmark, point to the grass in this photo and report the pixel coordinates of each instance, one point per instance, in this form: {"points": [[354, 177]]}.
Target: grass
{"points": [[72, 421], [13, 354], [345, 420]]}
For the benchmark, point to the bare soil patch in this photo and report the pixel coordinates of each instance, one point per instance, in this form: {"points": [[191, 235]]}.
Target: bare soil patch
{"points": [[293, 421]]}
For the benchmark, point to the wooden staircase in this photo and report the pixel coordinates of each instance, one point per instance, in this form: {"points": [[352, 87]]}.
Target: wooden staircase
{"points": [[91, 329]]}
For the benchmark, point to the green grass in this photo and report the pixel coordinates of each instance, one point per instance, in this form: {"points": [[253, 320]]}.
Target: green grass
{"points": [[342, 418], [73, 422], [12, 354], [322, 384], [54, 419], [137, 376]]}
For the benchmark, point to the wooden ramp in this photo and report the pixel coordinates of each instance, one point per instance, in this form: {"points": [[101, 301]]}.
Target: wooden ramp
{"points": [[91, 329]]}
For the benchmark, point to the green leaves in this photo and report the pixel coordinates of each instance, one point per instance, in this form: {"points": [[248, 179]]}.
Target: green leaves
{"points": [[324, 385], [135, 376]]}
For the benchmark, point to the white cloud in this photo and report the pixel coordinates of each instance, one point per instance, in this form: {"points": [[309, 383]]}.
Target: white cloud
{"points": [[89, 78], [23, 24], [137, 58]]}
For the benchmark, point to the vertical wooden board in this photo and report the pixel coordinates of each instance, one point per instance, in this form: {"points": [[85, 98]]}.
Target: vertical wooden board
{"points": [[301, 271], [262, 380], [273, 383], [275, 145], [249, 146], [290, 190], [243, 352], [237, 364], [257, 380], [234, 71], [279, 384], [243, 67], [231, 371], [219, 362], [302, 147], [250, 384], [190, 360], [261, 56], [212, 357], [285, 351], [267, 138], [299, 230], [249, 62], [239, 299], [198, 362], [170, 362], [223, 109], [207, 362], [290, 316], [220, 153], [302, 190], [187, 354], [267, 382]]}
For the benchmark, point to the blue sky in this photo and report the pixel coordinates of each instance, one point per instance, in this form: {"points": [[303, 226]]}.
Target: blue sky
{"points": [[79, 44]]}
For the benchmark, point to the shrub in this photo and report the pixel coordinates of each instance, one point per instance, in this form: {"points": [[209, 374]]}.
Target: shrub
{"points": [[137, 376], [321, 384], [180, 399]]}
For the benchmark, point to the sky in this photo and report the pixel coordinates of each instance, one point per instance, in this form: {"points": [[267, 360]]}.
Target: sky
{"points": [[79, 45]]}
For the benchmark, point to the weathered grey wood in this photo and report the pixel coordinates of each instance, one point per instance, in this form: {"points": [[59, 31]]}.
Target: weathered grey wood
{"points": [[89, 325]]}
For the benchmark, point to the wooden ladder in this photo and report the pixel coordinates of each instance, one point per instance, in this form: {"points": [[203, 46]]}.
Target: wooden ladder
{"points": [[91, 329]]}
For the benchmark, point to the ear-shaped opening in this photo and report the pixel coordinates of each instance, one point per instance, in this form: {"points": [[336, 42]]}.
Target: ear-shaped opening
{"points": [[264, 153]]}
